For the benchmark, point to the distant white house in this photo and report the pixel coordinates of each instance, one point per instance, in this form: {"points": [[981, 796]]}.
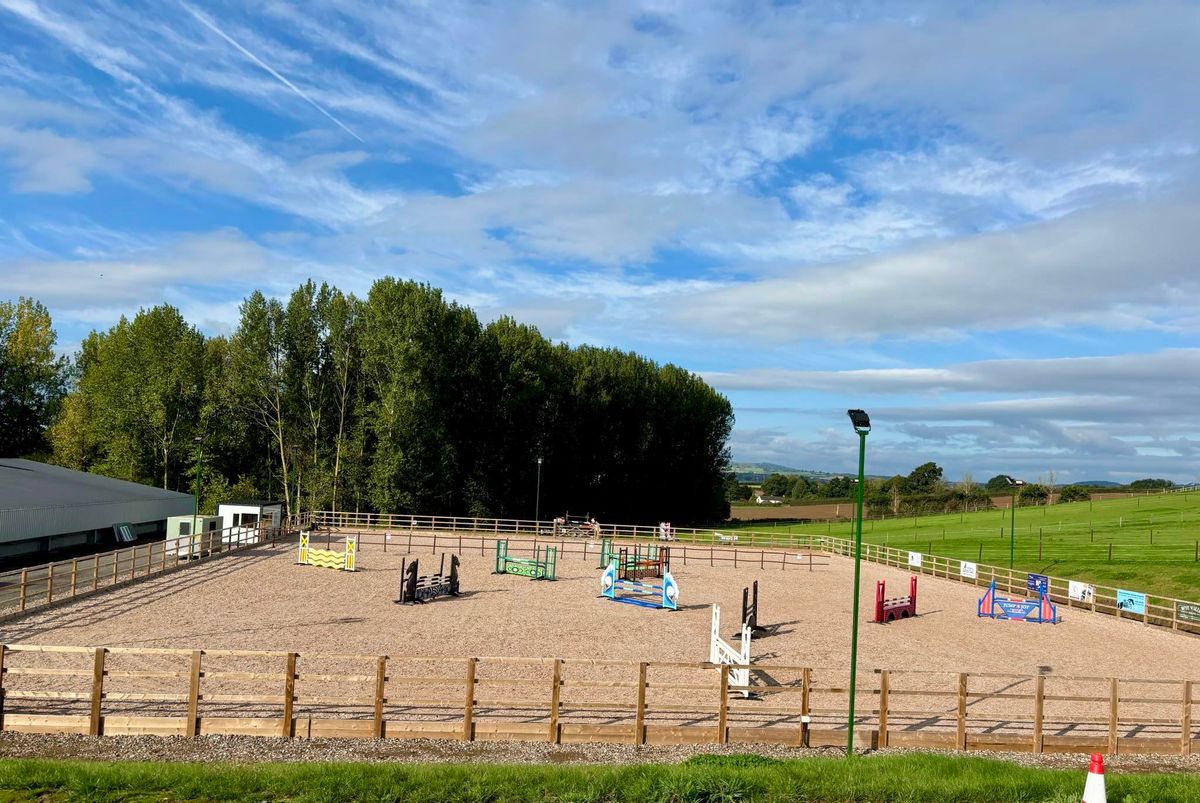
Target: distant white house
{"points": [[768, 500]]}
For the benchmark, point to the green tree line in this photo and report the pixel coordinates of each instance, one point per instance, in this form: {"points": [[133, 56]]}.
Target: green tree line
{"points": [[398, 402]]}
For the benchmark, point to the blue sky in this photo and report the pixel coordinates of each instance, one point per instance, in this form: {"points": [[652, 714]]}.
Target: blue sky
{"points": [[980, 222]]}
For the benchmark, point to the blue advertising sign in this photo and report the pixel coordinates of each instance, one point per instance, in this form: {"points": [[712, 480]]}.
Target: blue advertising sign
{"points": [[1131, 601], [1038, 583], [1018, 608]]}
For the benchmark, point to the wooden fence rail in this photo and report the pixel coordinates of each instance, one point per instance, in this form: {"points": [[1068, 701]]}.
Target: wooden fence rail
{"points": [[187, 692], [36, 587], [1158, 611], [407, 542]]}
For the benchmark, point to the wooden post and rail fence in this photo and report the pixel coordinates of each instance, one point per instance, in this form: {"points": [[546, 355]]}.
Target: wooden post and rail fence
{"points": [[29, 589], [188, 692]]}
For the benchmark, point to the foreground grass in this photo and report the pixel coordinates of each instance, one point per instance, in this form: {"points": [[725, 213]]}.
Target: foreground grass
{"points": [[1153, 540], [907, 778]]}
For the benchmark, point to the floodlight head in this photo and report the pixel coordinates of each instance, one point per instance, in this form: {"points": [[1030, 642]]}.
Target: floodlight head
{"points": [[860, 420], [539, 461]]}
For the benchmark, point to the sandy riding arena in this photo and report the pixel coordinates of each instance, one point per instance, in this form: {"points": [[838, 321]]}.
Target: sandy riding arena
{"points": [[947, 671]]}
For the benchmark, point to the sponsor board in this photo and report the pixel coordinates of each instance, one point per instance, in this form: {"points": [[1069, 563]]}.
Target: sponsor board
{"points": [[1187, 612], [1081, 592], [914, 559], [1038, 583], [1131, 601], [1018, 608], [968, 570]]}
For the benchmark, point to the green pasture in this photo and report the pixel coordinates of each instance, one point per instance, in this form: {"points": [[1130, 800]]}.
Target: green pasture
{"points": [[912, 778], [1146, 543]]}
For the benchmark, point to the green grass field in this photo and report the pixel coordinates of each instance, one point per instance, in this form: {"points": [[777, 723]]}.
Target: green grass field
{"points": [[912, 778], [1153, 540]]}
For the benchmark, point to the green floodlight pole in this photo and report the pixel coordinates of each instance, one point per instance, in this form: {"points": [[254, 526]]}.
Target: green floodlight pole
{"points": [[862, 425], [196, 485], [1014, 484], [537, 502]]}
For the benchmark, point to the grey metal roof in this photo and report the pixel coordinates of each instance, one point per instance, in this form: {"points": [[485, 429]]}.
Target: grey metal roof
{"points": [[37, 499], [28, 484]]}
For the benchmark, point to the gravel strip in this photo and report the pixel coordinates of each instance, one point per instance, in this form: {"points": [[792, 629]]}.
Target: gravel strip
{"points": [[250, 750]]}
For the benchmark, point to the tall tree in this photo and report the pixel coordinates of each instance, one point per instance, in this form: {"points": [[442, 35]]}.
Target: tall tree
{"points": [[258, 363], [342, 319], [32, 376], [136, 404]]}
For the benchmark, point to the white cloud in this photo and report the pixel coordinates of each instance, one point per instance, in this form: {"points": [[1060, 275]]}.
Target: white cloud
{"points": [[1120, 267], [1127, 374], [41, 161]]}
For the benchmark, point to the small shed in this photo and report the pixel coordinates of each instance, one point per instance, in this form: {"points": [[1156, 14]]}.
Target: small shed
{"points": [[243, 519], [188, 541]]}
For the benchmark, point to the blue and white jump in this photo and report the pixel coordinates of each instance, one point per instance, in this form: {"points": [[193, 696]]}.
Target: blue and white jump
{"points": [[613, 588]]}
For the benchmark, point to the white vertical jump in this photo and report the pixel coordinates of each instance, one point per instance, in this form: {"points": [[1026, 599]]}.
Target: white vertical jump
{"points": [[721, 652]]}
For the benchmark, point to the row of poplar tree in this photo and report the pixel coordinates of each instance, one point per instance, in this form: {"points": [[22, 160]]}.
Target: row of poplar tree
{"points": [[398, 402]]}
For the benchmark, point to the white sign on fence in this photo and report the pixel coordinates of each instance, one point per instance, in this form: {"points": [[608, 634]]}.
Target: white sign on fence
{"points": [[1082, 592], [968, 570], [914, 559]]}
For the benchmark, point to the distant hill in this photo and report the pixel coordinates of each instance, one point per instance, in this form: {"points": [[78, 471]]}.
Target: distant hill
{"points": [[1098, 484], [757, 472]]}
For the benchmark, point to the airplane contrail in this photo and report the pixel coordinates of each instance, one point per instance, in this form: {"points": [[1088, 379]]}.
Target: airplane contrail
{"points": [[212, 26]]}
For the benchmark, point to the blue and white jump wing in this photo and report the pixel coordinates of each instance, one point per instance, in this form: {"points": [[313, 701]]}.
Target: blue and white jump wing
{"points": [[608, 581], [670, 599]]}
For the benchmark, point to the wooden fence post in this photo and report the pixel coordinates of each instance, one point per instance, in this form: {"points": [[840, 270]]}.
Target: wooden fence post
{"points": [[805, 690], [24, 585], [1039, 698], [97, 691], [723, 708], [1113, 718], [193, 709], [74, 574], [961, 738], [49, 583], [1185, 748], [469, 703], [380, 691], [289, 695], [555, 700], [639, 722], [1, 688], [884, 688]]}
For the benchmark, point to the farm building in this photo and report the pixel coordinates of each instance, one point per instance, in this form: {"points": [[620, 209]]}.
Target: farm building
{"points": [[46, 508], [251, 513]]}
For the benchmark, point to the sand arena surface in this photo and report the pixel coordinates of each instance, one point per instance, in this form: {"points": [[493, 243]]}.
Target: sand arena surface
{"points": [[262, 600]]}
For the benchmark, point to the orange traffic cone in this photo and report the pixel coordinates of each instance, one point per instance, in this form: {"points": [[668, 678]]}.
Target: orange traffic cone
{"points": [[1093, 790]]}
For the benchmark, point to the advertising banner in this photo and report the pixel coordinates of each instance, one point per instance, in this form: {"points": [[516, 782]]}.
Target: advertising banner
{"points": [[1018, 608], [914, 559], [968, 570], [1038, 583], [1081, 592], [1187, 612], [1131, 601]]}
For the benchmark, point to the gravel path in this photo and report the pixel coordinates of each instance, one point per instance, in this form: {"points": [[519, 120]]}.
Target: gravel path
{"points": [[250, 750]]}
